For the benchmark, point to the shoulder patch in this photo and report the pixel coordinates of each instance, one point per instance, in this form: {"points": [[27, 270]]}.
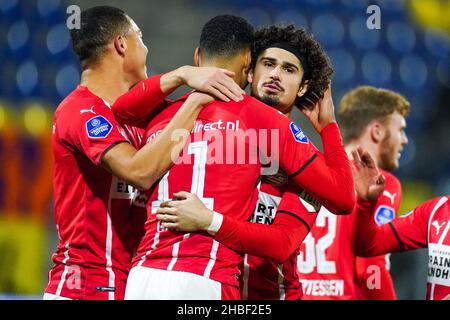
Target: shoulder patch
{"points": [[384, 214], [98, 127], [298, 134]]}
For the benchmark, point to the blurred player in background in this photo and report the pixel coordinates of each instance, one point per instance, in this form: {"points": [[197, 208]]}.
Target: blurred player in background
{"points": [[97, 165], [288, 64], [427, 226], [194, 266], [329, 269]]}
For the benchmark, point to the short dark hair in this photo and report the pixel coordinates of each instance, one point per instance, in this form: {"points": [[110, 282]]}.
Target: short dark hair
{"points": [[225, 36], [318, 66], [365, 104], [99, 25]]}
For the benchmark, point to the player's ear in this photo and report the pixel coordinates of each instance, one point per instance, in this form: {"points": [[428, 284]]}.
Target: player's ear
{"points": [[197, 57], [248, 60], [250, 76], [377, 132], [120, 44], [303, 88]]}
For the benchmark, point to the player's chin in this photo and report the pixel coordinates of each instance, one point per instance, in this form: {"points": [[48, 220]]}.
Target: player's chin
{"points": [[393, 165]]}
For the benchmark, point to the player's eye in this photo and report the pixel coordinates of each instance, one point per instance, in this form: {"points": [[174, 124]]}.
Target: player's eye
{"points": [[289, 69], [268, 64]]}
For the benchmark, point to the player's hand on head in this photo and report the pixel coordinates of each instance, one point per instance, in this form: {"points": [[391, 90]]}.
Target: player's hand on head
{"points": [[215, 81], [187, 213], [369, 181], [309, 100], [322, 113]]}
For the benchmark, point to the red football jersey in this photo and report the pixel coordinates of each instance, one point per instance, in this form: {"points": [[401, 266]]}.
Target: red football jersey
{"points": [[225, 176], [265, 279], [374, 278], [428, 225], [327, 263], [95, 227]]}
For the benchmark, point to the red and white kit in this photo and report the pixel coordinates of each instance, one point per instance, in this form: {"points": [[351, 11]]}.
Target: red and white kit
{"points": [[98, 232], [328, 266], [230, 186], [267, 279], [428, 225]]}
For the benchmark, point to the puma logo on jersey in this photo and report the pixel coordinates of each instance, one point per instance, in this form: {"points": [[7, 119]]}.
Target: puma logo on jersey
{"points": [[437, 226], [390, 196], [88, 110]]}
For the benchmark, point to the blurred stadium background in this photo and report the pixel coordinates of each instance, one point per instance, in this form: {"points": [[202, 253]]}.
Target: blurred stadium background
{"points": [[409, 54]]}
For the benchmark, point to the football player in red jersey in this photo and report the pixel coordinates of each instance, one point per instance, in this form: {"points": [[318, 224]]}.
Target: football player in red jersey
{"points": [[96, 161], [285, 59], [328, 265], [194, 266], [329, 268], [289, 68], [427, 226]]}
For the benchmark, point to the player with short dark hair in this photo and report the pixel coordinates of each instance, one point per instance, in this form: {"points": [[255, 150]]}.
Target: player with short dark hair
{"points": [[214, 39], [173, 265], [98, 26], [281, 219], [97, 165]]}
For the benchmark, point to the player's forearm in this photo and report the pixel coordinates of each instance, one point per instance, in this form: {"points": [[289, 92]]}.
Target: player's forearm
{"points": [[138, 105], [339, 167], [157, 156], [174, 79], [277, 241], [329, 177]]}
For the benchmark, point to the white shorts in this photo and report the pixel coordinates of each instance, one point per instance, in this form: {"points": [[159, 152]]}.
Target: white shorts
{"points": [[49, 296], [156, 284]]}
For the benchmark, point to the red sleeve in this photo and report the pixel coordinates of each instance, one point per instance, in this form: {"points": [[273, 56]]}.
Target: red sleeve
{"points": [[327, 177], [373, 273], [405, 233], [141, 103], [93, 134], [412, 228], [277, 241]]}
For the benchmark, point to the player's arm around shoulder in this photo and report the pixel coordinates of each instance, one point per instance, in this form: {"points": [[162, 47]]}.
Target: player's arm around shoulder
{"points": [[144, 167]]}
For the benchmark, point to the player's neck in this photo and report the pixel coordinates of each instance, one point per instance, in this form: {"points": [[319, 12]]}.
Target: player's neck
{"points": [[234, 65], [105, 82]]}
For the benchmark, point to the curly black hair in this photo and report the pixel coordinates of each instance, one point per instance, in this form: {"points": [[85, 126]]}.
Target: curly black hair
{"points": [[318, 68]]}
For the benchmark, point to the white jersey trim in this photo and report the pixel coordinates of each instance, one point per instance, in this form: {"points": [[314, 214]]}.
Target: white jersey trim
{"points": [[176, 248], [66, 270], [245, 278], [212, 260], [153, 246], [436, 207], [108, 245]]}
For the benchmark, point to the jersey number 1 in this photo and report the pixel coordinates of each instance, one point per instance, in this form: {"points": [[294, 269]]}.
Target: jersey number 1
{"points": [[200, 151]]}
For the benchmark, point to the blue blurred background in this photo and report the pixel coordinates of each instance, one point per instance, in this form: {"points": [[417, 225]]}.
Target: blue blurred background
{"points": [[409, 54]]}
